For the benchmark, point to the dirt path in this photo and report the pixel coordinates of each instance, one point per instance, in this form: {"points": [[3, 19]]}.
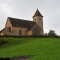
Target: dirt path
{"points": [[17, 58], [21, 58]]}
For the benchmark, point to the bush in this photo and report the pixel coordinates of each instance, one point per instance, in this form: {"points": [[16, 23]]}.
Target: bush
{"points": [[5, 59], [3, 42]]}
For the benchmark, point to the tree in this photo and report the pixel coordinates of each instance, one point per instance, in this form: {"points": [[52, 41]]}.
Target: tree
{"points": [[52, 33], [46, 34]]}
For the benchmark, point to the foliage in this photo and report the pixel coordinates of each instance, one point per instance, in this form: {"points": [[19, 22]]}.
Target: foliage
{"points": [[52, 33], [2, 42], [46, 34], [5, 59]]}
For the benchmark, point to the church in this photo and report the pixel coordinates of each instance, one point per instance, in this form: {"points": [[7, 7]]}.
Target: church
{"points": [[20, 27]]}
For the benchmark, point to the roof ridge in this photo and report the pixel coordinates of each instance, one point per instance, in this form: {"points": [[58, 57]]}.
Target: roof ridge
{"points": [[21, 23], [20, 19]]}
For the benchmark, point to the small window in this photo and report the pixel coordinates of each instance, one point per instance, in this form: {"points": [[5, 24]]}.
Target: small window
{"points": [[35, 19], [40, 18], [9, 29], [20, 32]]}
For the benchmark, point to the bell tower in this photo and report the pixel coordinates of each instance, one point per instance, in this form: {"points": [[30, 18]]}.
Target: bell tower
{"points": [[38, 19]]}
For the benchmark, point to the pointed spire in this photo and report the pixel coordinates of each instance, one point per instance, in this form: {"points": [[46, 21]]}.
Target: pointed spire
{"points": [[37, 13], [37, 8]]}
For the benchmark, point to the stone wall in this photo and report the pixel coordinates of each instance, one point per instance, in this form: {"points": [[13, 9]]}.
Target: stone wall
{"points": [[15, 31], [8, 24], [5, 32], [39, 22], [36, 31], [29, 33]]}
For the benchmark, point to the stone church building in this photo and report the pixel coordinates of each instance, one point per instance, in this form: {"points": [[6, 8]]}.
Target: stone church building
{"points": [[20, 27]]}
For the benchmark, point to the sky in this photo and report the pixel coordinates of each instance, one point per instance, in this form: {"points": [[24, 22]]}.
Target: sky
{"points": [[25, 9]]}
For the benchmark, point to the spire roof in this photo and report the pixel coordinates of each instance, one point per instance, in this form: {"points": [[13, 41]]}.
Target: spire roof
{"points": [[37, 13]]}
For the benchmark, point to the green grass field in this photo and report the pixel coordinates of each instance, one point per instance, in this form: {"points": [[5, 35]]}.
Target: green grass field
{"points": [[40, 48]]}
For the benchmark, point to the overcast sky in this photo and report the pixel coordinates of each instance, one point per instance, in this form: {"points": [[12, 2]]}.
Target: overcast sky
{"points": [[25, 9]]}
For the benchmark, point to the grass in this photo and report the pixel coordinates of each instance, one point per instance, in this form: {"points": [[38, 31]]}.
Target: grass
{"points": [[40, 48]]}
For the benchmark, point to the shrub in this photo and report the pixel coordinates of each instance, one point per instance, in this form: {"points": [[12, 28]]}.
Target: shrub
{"points": [[3, 42], [5, 59]]}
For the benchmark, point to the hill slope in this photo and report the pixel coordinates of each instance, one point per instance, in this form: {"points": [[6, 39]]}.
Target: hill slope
{"points": [[37, 48]]}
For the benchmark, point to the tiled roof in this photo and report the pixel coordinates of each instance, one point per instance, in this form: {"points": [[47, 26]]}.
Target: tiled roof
{"points": [[21, 23], [2, 30]]}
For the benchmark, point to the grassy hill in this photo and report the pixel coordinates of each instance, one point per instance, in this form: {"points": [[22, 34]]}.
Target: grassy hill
{"points": [[37, 48]]}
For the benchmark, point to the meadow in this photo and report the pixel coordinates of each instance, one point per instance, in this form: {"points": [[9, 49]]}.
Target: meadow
{"points": [[36, 47]]}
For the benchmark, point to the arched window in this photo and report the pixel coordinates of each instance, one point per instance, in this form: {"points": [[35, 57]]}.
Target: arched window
{"points": [[35, 19], [9, 29], [20, 32]]}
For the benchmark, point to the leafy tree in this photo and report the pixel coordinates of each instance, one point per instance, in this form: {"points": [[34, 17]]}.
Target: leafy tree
{"points": [[52, 33], [46, 34]]}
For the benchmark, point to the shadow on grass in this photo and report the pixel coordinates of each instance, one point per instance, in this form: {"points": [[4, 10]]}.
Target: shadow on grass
{"points": [[18, 58], [6, 42]]}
